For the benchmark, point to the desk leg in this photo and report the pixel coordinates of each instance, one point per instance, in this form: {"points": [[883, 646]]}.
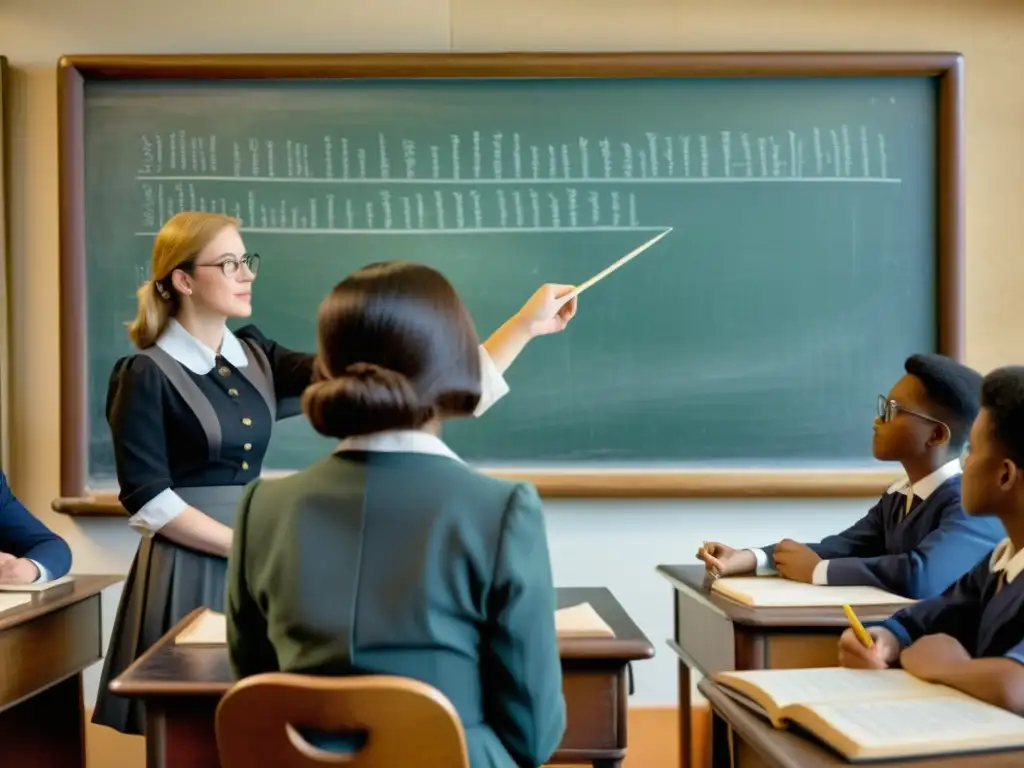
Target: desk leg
{"points": [[180, 733], [47, 730], [685, 719], [719, 742]]}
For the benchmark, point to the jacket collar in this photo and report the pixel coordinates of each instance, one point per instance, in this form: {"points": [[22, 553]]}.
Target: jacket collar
{"points": [[926, 486], [399, 441], [196, 356], [1005, 558]]}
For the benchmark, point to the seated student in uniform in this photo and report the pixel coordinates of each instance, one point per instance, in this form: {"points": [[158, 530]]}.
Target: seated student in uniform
{"points": [[916, 540], [972, 637], [390, 555], [30, 553]]}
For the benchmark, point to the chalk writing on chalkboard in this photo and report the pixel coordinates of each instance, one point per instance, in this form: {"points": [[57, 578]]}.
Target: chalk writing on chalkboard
{"points": [[583, 185]]}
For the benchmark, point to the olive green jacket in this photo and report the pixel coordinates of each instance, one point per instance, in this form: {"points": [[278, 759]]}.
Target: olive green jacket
{"points": [[405, 562]]}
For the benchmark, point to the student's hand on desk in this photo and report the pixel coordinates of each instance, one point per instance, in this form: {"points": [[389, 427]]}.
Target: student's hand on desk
{"points": [[931, 655], [17, 570], [721, 560], [795, 561], [547, 311], [884, 651]]}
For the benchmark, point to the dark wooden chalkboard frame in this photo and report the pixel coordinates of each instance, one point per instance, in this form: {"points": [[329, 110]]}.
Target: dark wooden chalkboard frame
{"points": [[75, 71]]}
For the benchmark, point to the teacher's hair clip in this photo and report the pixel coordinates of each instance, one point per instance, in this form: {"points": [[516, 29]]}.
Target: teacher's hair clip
{"points": [[161, 290]]}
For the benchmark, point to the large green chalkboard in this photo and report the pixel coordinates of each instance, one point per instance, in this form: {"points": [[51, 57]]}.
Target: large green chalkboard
{"points": [[802, 269]]}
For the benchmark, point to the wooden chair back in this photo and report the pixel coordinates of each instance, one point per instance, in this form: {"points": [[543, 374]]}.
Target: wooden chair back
{"points": [[407, 722]]}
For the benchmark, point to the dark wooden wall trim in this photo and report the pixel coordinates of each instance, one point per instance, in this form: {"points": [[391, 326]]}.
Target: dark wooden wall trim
{"points": [[74, 391], [75, 71], [5, 273]]}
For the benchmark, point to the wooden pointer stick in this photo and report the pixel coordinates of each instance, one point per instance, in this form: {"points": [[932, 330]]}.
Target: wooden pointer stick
{"points": [[609, 269]]}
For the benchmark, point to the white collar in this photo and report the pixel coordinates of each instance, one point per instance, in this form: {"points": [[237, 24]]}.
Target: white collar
{"points": [[1004, 558], [399, 441], [926, 486], [196, 356]]}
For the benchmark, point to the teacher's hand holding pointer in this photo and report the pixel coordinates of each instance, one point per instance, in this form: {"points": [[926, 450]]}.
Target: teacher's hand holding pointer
{"points": [[549, 310]]}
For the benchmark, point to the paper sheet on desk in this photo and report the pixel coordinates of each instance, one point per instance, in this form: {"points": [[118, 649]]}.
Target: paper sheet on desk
{"points": [[210, 628], [777, 592], [36, 587], [13, 600], [581, 621]]}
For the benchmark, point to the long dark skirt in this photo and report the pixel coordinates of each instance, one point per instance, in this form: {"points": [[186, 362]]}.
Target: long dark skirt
{"points": [[165, 583]]}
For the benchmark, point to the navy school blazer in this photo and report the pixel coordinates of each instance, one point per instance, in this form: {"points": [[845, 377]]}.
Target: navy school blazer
{"points": [[917, 555], [24, 535]]}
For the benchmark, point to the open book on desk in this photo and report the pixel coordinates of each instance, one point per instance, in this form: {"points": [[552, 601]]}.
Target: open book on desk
{"points": [[777, 592], [210, 627], [869, 714]]}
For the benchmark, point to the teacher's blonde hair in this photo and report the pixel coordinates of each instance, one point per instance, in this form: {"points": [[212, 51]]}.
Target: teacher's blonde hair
{"points": [[183, 236]]}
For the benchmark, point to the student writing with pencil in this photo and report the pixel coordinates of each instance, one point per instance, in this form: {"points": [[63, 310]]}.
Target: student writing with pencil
{"points": [[916, 540], [972, 637]]}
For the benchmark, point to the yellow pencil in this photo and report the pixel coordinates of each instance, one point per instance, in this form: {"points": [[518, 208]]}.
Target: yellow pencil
{"points": [[858, 628]]}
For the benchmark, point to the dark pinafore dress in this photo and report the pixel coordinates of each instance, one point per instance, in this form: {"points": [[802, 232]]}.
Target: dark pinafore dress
{"points": [[167, 580]]}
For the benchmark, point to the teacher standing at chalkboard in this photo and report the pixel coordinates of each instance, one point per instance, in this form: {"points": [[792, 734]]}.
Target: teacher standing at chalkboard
{"points": [[191, 416]]}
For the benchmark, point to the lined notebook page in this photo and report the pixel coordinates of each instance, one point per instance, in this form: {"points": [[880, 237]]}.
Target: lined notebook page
{"points": [[575, 621], [36, 587], [581, 621], [12, 600], [777, 592]]}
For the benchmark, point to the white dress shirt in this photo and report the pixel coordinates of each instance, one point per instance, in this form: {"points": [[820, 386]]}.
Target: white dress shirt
{"points": [[1005, 558], [399, 441], [194, 355], [44, 574], [922, 490]]}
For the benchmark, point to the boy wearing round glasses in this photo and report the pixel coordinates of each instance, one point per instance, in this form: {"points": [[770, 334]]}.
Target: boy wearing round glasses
{"points": [[916, 540], [972, 636]]}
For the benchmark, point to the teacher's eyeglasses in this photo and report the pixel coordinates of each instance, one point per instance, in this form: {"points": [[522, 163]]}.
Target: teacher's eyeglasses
{"points": [[887, 410], [230, 266]]}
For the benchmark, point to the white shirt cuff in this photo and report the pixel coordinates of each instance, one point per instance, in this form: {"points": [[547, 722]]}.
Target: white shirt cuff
{"points": [[762, 568], [493, 386], [157, 512], [44, 574], [820, 574]]}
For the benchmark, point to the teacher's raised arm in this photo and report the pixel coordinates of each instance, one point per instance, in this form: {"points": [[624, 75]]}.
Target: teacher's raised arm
{"points": [[549, 310]]}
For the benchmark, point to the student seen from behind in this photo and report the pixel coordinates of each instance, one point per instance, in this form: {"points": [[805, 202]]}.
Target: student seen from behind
{"points": [[972, 637], [916, 540], [391, 555]]}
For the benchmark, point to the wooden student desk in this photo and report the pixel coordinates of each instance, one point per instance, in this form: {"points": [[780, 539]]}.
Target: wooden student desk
{"points": [[757, 744], [44, 646], [713, 633], [182, 685]]}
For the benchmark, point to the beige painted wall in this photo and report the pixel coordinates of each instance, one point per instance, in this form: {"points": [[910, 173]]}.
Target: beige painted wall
{"points": [[586, 538]]}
